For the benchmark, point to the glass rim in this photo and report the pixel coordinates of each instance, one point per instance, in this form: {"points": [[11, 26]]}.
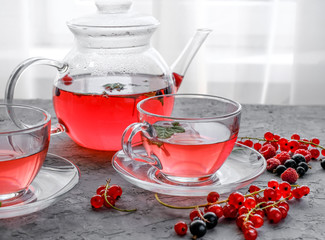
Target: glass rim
{"points": [[196, 95], [45, 121]]}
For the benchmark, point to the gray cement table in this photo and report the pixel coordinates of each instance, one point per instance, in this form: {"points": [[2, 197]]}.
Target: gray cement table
{"points": [[73, 218]]}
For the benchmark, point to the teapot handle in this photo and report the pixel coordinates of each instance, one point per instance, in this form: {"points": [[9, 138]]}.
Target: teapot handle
{"points": [[17, 72]]}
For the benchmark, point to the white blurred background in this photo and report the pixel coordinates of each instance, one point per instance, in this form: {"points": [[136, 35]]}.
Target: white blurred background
{"points": [[260, 51]]}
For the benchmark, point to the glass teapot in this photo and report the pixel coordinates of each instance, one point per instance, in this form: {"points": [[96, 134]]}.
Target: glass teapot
{"points": [[111, 67]]}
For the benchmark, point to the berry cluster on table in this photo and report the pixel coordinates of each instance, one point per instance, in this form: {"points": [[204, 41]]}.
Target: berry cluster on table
{"points": [[287, 158], [249, 211], [107, 196]]}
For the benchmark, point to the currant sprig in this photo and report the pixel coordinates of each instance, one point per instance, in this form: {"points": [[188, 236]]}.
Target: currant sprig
{"points": [[107, 195], [248, 209], [292, 144]]}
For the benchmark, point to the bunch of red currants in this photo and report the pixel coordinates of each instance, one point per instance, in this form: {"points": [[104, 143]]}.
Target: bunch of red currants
{"points": [[249, 210]]}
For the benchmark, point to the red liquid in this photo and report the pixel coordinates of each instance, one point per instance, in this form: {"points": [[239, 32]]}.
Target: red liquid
{"points": [[17, 171], [198, 152], [96, 117]]}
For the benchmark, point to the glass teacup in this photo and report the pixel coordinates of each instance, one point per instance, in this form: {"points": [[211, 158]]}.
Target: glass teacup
{"points": [[187, 137], [24, 140]]}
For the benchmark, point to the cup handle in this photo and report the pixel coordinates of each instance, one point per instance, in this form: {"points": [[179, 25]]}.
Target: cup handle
{"points": [[17, 72], [131, 131]]}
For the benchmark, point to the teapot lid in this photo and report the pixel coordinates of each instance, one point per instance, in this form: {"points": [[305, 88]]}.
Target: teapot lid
{"points": [[114, 13]]}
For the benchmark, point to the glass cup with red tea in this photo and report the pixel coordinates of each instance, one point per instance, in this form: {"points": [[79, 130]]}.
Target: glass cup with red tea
{"points": [[24, 140], [187, 137]]}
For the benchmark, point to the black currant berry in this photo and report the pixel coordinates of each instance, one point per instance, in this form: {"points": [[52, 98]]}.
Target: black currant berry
{"points": [[280, 169], [304, 165], [298, 158], [198, 228], [301, 171], [322, 163], [290, 164], [212, 219]]}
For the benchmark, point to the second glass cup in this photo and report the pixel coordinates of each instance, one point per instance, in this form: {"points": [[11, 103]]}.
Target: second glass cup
{"points": [[187, 137]]}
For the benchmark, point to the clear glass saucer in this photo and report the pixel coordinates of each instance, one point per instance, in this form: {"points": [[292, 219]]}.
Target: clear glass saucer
{"points": [[241, 168], [56, 177]]}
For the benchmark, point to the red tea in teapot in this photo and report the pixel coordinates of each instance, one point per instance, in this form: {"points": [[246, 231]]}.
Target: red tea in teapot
{"points": [[96, 110]]}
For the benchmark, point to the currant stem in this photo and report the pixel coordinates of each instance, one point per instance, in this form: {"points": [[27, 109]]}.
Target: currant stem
{"points": [[253, 210], [200, 215], [179, 207]]}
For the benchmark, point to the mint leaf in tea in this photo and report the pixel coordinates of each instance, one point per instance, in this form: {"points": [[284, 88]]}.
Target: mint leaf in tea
{"points": [[164, 132]]}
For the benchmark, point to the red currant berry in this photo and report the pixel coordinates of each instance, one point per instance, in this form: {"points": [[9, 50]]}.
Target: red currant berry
{"points": [[195, 213], [284, 204], [97, 201], [100, 188], [268, 136], [180, 228], [229, 211], [253, 188], [257, 220], [276, 137], [109, 202], [314, 153], [216, 209], [305, 190], [290, 196], [286, 195], [278, 194], [284, 211], [295, 136], [274, 215], [248, 143], [243, 210], [250, 234], [270, 194], [297, 193], [283, 142], [268, 205], [257, 146], [259, 212], [259, 199], [273, 184], [213, 197], [236, 199], [315, 141], [303, 146], [247, 225], [285, 187], [250, 202], [115, 191], [293, 145], [240, 220], [323, 152]]}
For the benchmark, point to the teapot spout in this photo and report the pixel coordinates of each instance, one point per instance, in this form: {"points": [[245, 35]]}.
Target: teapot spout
{"points": [[180, 66]]}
